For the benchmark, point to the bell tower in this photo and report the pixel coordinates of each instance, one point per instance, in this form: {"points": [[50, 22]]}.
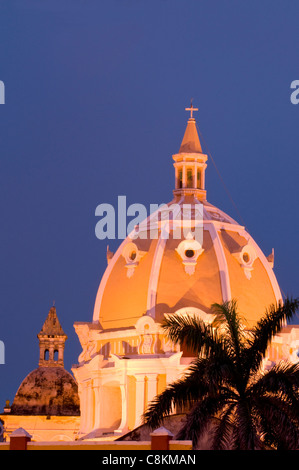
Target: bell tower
{"points": [[51, 342], [190, 163]]}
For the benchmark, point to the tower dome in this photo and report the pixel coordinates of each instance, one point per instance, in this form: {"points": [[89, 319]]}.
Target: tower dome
{"points": [[50, 391]]}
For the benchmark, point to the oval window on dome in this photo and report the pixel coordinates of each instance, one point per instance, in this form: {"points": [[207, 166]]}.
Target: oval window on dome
{"points": [[246, 257], [189, 253]]}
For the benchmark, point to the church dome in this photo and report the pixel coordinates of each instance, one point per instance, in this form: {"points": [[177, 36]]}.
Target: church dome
{"points": [[154, 275], [181, 258], [50, 391]]}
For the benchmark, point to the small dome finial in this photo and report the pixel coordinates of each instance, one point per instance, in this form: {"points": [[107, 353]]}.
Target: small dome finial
{"points": [[191, 109]]}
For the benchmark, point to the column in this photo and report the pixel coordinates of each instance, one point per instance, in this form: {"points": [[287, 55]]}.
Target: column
{"points": [[60, 353], [139, 406], [171, 377], [176, 177], [124, 410], [203, 176], [195, 176], [184, 185], [90, 407], [97, 404], [41, 354], [87, 408], [51, 352], [83, 408], [151, 386]]}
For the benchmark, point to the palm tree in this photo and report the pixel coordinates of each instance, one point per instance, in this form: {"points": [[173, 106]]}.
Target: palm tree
{"points": [[226, 391]]}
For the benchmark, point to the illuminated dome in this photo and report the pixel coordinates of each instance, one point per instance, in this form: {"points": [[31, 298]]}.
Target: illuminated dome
{"points": [[164, 275], [187, 256]]}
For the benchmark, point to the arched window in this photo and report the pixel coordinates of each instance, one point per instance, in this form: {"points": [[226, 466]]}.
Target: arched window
{"points": [[55, 355], [46, 355]]}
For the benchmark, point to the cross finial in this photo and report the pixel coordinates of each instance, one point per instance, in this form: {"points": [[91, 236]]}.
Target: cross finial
{"points": [[191, 109]]}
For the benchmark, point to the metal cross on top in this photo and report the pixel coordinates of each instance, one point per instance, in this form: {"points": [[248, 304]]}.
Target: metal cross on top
{"points": [[191, 109]]}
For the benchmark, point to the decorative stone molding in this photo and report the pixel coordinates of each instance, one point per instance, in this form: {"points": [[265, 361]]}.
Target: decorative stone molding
{"points": [[87, 341], [189, 250], [109, 255], [195, 312], [167, 346], [132, 256], [246, 256], [270, 259], [148, 331], [147, 345]]}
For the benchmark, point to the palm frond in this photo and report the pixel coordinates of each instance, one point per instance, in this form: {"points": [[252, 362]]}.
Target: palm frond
{"points": [[282, 377], [281, 382], [190, 330], [231, 327], [222, 433], [228, 318], [224, 387], [182, 393], [279, 425], [201, 417], [216, 371], [262, 334], [246, 432]]}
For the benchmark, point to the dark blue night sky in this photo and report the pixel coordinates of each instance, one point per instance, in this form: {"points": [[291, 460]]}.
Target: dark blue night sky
{"points": [[95, 94]]}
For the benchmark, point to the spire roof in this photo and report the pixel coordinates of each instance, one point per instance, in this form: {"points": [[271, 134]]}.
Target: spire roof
{"points": [[52, 326], [190, 142]]}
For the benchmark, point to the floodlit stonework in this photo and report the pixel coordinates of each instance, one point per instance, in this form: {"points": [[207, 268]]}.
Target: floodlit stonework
{"points": [[47, 402], [126, 360]]}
